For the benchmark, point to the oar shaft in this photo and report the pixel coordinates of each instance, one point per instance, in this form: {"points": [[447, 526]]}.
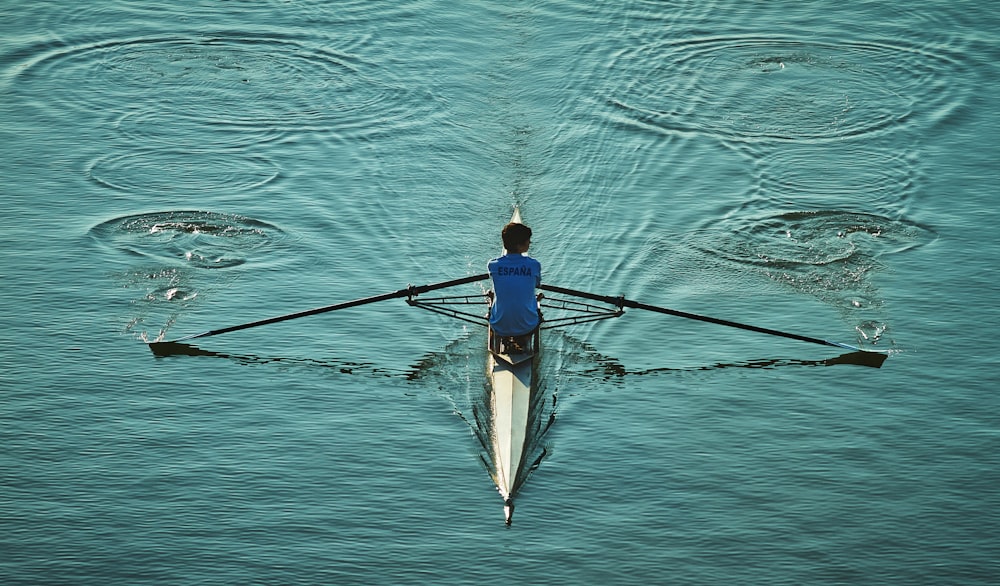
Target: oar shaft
{"points": [[724, 322], [622, 302], [411, 290]]}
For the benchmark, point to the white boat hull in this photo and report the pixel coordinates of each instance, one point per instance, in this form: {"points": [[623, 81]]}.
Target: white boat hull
{"points": [[510, 405]]}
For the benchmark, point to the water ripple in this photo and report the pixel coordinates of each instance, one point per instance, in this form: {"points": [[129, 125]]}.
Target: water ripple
{"points": [[186, 255], [182, 129], [182, 172], [237, 87], [205, 240], [809, 238], [821, 177], [768, 89], [832, 255]]}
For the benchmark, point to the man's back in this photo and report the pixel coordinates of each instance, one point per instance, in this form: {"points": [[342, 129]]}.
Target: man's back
{"points": [[515, 309]]}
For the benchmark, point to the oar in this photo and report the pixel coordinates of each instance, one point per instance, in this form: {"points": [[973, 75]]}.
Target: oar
{"points": [[409, 291], [865, 357]]}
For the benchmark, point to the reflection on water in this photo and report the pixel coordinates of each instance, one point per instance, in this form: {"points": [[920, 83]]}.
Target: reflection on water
{"points": [[439, 368], [164, 349], [611, 368]]}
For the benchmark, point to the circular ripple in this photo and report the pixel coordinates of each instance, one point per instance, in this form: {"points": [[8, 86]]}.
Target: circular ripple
{"points": [[204, 240], [311, 11], [182, 172], [775, 89], [829, 254], [821, 177], [178, 129], [810, 238], [229, 86]]}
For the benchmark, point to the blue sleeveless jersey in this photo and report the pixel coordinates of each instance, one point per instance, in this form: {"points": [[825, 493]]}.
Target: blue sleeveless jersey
{"points": [[515, 309]]}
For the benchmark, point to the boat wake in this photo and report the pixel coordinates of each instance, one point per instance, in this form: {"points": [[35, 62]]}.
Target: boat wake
{"points": [[486, 411]]}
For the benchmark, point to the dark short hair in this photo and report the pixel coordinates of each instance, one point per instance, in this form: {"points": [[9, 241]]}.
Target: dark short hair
{"points": [[514, 235]]}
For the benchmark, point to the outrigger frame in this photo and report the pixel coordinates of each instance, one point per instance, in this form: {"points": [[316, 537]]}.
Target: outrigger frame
{"points": [[569, 312]]}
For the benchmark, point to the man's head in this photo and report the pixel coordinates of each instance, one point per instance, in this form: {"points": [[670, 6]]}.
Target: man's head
{"points": [[516, 237]]}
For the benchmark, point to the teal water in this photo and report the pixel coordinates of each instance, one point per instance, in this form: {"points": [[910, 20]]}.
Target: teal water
{"points": [[823, 168]]}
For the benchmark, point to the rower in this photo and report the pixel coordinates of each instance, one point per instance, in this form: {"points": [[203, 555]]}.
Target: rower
{"points": [[514, 315]]}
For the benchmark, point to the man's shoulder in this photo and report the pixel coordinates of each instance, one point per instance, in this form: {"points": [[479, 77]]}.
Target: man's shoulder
{"points": [[519, 259]]}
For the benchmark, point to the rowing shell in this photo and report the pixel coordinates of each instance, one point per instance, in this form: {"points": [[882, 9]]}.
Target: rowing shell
{"points": [[510, 367]]}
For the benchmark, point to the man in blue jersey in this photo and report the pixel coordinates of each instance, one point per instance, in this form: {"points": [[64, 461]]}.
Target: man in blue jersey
{"points": [[515, 275]]}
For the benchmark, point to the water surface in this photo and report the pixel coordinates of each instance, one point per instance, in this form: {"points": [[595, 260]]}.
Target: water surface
{"points": [[818, 168]]}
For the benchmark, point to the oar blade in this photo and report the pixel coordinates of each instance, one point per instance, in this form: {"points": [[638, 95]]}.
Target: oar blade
{"points": [[859, 358], [164, 349]]}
